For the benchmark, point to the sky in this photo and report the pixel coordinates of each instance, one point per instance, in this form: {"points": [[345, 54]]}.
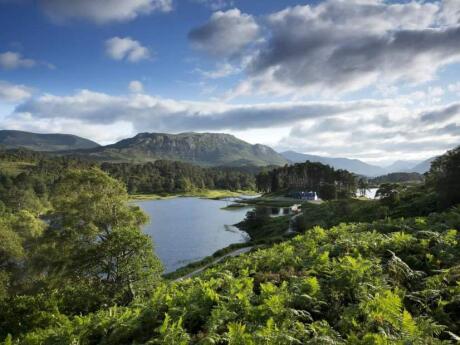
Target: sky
{"points": [[374, 80]]}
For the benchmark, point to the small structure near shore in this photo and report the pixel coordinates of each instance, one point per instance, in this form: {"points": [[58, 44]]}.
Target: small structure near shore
{"points": [[302, 195]]}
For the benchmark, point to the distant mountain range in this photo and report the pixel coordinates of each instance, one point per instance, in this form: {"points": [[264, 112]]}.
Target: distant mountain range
{"points": [[401, 166], [353, 165], [359, 167], [422, 167], [43, 142], [205, 149]]}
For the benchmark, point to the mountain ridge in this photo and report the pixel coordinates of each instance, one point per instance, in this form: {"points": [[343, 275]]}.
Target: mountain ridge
{"points": [[205, 149], [353, 165], [12, 139]]}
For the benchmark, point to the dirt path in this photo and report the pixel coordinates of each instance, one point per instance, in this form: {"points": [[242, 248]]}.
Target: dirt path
{"points": [[201, 269]]}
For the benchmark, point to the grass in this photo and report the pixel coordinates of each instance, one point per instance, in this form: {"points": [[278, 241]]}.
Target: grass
{"points": [[14, 168], [272, 201], [265, 227], [214, 194], [236, 206], [193, 266]]}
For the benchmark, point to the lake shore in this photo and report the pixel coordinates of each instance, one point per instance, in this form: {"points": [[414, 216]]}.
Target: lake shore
{"points": [[214, 194]]}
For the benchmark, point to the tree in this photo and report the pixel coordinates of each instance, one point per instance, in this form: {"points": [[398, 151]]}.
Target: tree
{"points": [[363, 186], [94, 240], [17, 231], [444, 176], [388, 193]]}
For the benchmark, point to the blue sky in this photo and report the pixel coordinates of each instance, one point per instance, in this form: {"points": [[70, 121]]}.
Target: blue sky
{"points": [[369, 79], [75, 47]]}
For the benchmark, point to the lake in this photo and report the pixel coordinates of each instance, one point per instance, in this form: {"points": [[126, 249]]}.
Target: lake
{"points": [[188, 229], [370, 193]]}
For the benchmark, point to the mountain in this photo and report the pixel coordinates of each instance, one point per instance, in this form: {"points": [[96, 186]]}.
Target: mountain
{"points": [[401, 166], [353, 165], [43, 142], [206, 149], [424, 166]]}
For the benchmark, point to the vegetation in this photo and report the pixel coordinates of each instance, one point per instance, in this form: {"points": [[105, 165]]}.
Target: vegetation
{"points": [[326, 181], [161, 177], [390, 282], [362, 272], [260, 225], [176, 177], [69, 243], [444, 177], [398, 177]]}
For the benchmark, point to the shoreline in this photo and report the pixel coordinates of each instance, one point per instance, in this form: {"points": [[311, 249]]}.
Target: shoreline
{"points": [[213, 194]]}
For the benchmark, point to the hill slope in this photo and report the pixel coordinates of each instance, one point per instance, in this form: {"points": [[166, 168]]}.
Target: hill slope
{"points": [[401, 166], [206, 149], [353, 165], [43, 142], [424, 166]]}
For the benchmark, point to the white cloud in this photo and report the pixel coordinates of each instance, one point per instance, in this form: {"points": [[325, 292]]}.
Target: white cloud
{"points": [[338, 46], [14, 93], [13, 60], [222, 70], [103, 11], [136, 86], [216, 4], [225, 34], [454, 88], [147, 112], [367, 129], [125, 48]]}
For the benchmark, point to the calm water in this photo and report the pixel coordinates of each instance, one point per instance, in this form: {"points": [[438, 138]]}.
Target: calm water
{"points": [[188, 229], [370, 193]]}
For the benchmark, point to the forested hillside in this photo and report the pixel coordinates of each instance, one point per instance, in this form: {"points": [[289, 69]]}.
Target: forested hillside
{"points": [[170, 177], [323, 179], [159, 177], [397, 178]]}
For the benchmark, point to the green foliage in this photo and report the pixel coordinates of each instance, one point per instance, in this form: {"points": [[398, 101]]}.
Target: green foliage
{"points": [[397, 177], [95, 239], [444, 177], [388, 193], [85, 252], [388, 282], [308, 176], [259, 225], [176, 177], [361, 273]]}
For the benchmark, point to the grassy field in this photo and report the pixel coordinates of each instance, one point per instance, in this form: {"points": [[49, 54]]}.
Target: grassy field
{"points": [[14, 168], [272, 201], [202, 193]]}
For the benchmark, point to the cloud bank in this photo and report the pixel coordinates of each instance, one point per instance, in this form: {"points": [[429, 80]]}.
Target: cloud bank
{"points": [[337, 46], [103, 11], [367, 129], [225, 34], [11, 93]]}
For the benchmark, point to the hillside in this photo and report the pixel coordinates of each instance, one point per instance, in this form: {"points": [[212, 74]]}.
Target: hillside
{"points": [[401, 166], [423, 167], [11, 139], [353, 165], [205, 149], [398, 177]]}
